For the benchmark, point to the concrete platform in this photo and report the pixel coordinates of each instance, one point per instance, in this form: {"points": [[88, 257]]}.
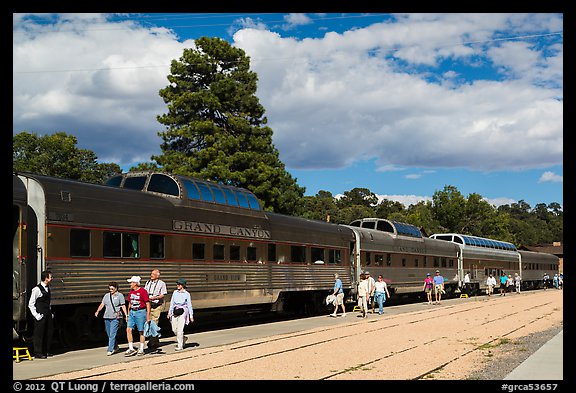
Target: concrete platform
{"points": [[544, 364]]}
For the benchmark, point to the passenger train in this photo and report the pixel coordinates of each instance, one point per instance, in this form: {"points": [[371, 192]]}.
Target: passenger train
{"points": [[232, 253]]}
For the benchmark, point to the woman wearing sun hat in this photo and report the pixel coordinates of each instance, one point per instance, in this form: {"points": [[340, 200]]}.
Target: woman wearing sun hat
{"points": [[180, 312]]}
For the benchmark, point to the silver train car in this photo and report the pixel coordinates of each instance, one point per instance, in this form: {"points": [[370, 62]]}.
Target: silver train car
{"points": [[233, 254]]}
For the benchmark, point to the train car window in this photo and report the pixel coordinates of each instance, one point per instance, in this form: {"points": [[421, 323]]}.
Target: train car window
{"points": [[198, 251], [112, 244], [403, 262], [436, 262], [120, 245], [242, 201], [424, 261], [317, 254], [368, 259], [443, 261], [384, 226], [219, 196], [254, 204], [251, 254], [297, 254], [218, 251], [388, 260], [232, 201], [416, 262], [271, 252], [207, 195], [114, 181], [451, 263], [234, 253], [368, 224], [334, 257], [157, 246], [163, 184], [379, 260], [79, 242], [191, 189], [458, 240], [130, 245], [135, 182]]}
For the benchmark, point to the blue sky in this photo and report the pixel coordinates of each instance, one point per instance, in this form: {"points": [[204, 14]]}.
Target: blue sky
{"points": [[401, 104]]}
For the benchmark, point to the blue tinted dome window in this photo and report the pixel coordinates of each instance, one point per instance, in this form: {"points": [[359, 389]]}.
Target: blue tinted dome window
{"points": [[242, 199], [205, 192], [231, 197], [218, 194], [254, 205], [407, 229], [191, 189]]}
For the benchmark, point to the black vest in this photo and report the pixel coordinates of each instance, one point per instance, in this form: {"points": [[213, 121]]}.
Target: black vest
{"points": [[43, 302]]}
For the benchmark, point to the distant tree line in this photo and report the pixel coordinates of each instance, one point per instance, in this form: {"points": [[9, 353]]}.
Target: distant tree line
{"points": [[215, 129], [449, 211]]}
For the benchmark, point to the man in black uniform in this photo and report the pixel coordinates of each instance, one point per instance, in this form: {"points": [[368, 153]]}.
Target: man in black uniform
{"points": [[39, 305]]}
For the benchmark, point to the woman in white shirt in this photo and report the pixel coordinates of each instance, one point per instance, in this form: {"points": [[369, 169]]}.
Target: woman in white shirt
{"points": [[363, 295], [380, 293], [180, 312]]}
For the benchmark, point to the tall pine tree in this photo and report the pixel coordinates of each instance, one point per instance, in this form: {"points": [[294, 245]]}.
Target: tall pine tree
{"points": [[216, 128]]}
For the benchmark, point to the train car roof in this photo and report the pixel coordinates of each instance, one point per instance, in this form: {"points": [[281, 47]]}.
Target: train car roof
{"points": [[186, 188], [475, 241], [391, 226]]}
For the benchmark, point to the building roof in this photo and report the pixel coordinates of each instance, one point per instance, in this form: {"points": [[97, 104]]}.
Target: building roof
{"points": [[547, 248]]}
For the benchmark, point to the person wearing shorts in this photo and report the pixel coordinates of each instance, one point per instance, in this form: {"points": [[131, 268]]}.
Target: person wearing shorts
{"points": [[339, 293], [438, 286], [138, 314]]}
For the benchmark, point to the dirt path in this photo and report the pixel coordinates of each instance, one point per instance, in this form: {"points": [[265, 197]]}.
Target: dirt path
{"points": [[448, 341]]}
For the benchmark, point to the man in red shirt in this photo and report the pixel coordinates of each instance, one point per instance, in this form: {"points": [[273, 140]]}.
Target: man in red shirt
{"points": [[138, 314]]}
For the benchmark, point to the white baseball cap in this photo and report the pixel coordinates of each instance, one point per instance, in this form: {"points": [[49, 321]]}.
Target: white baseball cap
{"points": [[134, 279]]}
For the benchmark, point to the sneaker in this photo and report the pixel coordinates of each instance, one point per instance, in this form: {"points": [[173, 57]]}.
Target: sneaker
{"points": [[109, 353], [344, 314], [140, 353], [333, 315], [130, 352], [178, 349]]}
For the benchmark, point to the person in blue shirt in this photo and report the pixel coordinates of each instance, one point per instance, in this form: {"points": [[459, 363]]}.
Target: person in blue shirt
{"points": [[438, 286], [339, 293], [503, 281]]}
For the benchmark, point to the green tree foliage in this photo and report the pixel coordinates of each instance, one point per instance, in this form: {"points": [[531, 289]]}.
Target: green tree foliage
{"points": [[57, 155], [216, 128], [449, 211]]}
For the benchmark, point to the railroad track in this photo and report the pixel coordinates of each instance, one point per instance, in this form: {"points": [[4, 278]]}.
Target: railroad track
{"points": [[394, 346]]}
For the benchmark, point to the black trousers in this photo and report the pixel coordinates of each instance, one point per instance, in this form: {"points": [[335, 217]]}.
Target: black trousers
{"points": [[43, 332]]}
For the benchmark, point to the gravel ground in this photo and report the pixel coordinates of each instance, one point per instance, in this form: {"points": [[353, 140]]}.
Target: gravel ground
{"points": [[472, 339], [510, 354]]}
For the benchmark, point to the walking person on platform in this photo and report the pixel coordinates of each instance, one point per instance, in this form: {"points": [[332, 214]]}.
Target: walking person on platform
{"points": [[428, 287], [339, 293], [503, 281], [138, 314], [371, 287], [363, 294], [380, 292], [491, 283], [113, 315], [517, 282], [180, 312], [156, 289], [546, 280], [438, 286], [40, 307], [467, 283]]}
